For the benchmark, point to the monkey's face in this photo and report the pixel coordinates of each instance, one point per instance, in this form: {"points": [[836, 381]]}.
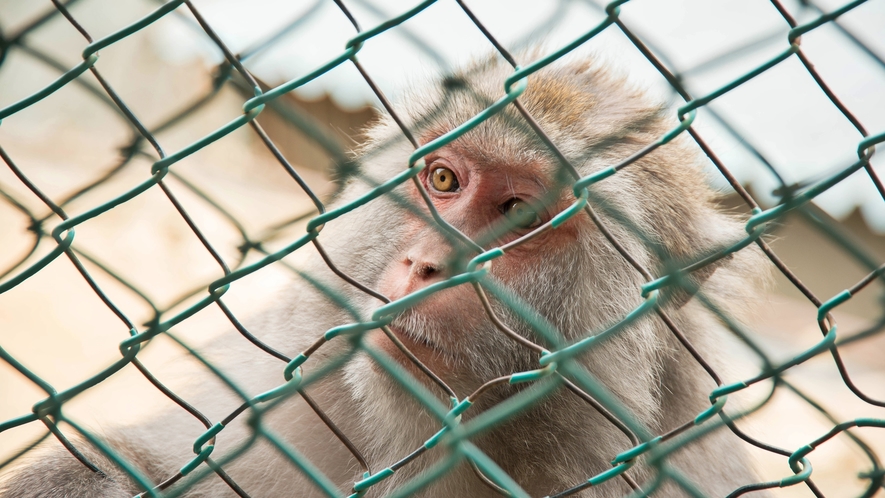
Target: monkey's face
{"points": [[493, 203], [495, 184]]}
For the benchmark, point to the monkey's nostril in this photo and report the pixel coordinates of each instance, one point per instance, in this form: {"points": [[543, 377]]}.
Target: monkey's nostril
{"points": [[425, 270], [421, 268]]}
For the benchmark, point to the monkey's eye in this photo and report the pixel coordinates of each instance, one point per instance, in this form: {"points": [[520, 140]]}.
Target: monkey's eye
{"points": [[444, 180], [521, 213]]}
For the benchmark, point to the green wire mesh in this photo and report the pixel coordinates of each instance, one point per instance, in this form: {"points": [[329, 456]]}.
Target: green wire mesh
{"points": [[554, 367]]}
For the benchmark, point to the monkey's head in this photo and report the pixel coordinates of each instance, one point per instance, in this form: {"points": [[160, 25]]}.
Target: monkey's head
{"points": [[499, 183]]}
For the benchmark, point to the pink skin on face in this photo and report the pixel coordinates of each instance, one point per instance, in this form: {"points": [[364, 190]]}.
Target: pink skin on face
{"points": [[483, 194]]}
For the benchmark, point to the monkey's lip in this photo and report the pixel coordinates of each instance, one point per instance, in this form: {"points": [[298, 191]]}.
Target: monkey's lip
{"points": [[416, 344]]}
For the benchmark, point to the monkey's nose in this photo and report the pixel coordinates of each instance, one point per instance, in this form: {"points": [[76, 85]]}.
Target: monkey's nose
{"points": [[423, 269]]}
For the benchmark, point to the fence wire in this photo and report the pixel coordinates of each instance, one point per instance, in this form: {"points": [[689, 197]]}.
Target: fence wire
{"points": [[556, 368]]}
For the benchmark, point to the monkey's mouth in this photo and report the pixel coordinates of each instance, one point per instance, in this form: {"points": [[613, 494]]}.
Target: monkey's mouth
{"points": [[419, 346]]}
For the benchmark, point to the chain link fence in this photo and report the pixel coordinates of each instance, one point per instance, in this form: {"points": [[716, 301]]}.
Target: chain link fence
{"points": [[53, 235]]}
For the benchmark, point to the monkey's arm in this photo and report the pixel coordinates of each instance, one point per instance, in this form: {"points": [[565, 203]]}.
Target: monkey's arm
{"points": [[53, 472]]}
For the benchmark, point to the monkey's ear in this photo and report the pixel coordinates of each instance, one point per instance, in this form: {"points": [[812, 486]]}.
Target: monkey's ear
{"points": [[676, 295]]}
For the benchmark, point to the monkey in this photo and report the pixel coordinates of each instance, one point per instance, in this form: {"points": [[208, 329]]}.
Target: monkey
{"points": [[495, 184]]}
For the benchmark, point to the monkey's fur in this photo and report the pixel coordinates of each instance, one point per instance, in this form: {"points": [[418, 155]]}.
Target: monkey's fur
{"points": [[572, 276]]}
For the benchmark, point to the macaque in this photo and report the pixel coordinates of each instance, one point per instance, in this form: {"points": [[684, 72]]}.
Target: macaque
{"points": [[496, 183]]}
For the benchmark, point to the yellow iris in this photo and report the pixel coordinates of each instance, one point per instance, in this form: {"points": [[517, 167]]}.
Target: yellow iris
{"points": [[522, 214], [444, 180]]}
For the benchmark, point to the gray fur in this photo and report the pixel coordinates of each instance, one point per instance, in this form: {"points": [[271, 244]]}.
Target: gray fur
{"points": [[597, 119]]}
